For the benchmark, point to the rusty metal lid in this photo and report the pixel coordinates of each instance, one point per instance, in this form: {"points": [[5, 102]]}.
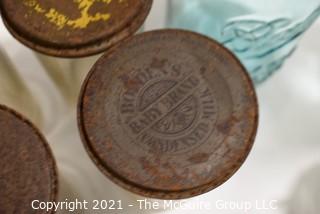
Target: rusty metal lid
{"points": [[73, 28], [168, 114], [27, 167]]}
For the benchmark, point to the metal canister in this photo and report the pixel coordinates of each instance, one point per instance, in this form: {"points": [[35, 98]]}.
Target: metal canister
{"points": [[28, 174], [168, 114], [73, 28]]}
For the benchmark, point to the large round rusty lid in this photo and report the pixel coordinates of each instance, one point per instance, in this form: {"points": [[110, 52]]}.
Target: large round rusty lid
{"points": [[27, 167], [75, 27], [168, 114]]}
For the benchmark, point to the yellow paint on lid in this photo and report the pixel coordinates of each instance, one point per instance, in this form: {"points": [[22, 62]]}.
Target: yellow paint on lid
{"points": [[62, 20]]}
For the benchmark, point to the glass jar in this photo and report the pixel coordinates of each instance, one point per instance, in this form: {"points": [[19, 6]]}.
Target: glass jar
{"points": [[15, 93], [261, 33]]}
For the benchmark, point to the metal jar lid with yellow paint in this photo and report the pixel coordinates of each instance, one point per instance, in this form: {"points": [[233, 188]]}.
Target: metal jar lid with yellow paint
{"points": [[73, 28]]}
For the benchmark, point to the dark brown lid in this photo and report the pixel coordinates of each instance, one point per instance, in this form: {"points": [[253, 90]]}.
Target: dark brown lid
{"points": [[73, 28], [27, 167], [168, 114]]}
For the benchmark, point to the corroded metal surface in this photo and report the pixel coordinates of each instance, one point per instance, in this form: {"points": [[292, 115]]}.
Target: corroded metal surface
{"points": [[168, 114], [27, 167], [73, 28]]}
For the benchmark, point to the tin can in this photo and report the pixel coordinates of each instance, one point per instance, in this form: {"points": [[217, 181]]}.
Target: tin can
{"points": [[28, 174], [168, 114], [73, 28]]}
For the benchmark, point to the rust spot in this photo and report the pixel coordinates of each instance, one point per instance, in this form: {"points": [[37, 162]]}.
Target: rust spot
{"points": [[199, 158], [226, 126], [158, 63], [129, 83]]}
